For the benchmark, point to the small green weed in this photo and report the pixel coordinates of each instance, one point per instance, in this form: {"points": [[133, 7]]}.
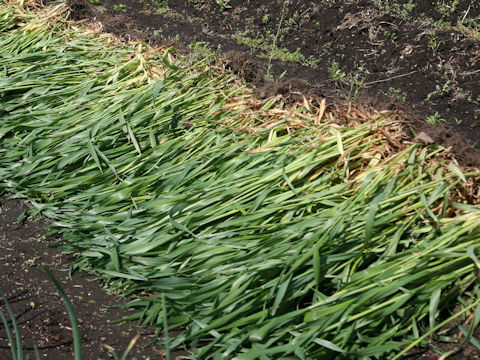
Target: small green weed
{"points": [[396, 93], [294, 20], [435, 119], [407, 9], [445, 89], [224, 4], [356, 84], [433, 43], [335, 72], [275, 52], [161, 10], [446, 9], [120, 7]]}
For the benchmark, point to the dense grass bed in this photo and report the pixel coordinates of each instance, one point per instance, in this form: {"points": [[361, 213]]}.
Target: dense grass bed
{"points": [[262, 233]]}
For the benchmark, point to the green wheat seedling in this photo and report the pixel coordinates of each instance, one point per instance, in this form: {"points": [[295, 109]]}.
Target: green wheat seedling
{"points": [[14, 339], [77, 338]]}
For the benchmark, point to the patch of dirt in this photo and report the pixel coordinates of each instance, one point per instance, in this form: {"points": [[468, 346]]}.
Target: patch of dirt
{"points": [[40, 312], [426, 56], [81, 10]]}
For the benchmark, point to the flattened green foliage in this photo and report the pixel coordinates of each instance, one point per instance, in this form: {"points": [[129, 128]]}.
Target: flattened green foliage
{"points": [[260, 246]]}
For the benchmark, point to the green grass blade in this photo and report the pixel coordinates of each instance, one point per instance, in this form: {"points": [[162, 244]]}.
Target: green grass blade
{"points": [[77, 338]]}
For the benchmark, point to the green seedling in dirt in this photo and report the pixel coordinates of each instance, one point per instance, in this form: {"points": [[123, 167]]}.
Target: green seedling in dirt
{"points": [[77, 338], [387, 5], [161, 10], [127, 350], [294, 20], [335, 72], [442, 24], [396, 93], [446, 9], [408, 8], [473, 100], [287, 56], [224, 4], [435, 119], [476, 113], [275, 52], [357, 79], [433, 43], [120, 7], [356, 84], [265, 18], [445, 89], [390, 35], [280, 77]]}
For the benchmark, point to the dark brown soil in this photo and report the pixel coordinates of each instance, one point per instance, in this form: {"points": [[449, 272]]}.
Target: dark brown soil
{"points": [[416, 59], [39, 310]]}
